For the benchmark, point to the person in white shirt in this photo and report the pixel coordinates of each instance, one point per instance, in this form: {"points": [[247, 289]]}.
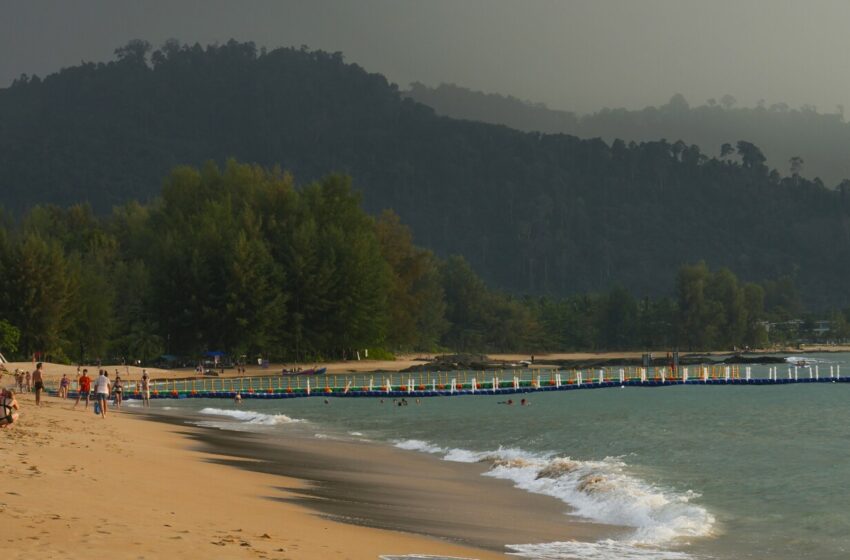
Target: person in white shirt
{"points": [[101, 391]]}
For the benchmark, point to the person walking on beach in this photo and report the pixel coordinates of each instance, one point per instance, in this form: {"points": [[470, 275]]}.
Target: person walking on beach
{"points": [[28, 385], [38, 382], [83, 388], [101, 391], [146, 388]]}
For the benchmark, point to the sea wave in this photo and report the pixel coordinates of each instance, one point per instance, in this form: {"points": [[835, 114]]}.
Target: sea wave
{"points": [[251, 417], [807, 361], [418, 445], [603, 550], [603, 491]]}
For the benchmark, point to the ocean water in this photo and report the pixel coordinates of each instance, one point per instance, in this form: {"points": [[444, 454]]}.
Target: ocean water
{"points": [[725, 472]]}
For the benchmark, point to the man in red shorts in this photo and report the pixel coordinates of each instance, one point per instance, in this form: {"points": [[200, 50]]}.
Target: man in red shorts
{"points": [[83, 388]]}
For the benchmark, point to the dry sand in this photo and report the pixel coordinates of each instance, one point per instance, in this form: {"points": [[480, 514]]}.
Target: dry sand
{"points": [[78, 486]]}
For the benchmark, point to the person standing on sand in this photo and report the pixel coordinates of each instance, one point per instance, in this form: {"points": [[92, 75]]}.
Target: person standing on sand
{"points": [[83, 388], [64, 383], [118, 389], [101, 391], [28, 385], [38, 382], [146, 388]]}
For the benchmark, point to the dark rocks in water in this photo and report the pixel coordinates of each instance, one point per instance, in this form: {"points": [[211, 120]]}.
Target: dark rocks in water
{"points": [[752, 359], [662, 360], [458, 362], [480, 362]]}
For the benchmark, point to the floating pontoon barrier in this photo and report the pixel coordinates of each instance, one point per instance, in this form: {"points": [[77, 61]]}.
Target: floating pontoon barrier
{"points": [[433, 384]]}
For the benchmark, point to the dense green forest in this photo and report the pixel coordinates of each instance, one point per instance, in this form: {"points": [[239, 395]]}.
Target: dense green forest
{"points": [[820, 139], [536, 214], [240, 259]]}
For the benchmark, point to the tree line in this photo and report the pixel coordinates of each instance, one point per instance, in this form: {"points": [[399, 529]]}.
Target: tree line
{"points": [[548, 215], [241, 259]]}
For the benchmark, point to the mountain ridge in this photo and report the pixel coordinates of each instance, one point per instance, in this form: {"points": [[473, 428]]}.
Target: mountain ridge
{"points": [[822, 140], [532, 213]]}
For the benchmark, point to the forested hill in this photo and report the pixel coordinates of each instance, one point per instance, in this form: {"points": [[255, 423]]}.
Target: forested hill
{"points": [[532, 213], [822, 140]]}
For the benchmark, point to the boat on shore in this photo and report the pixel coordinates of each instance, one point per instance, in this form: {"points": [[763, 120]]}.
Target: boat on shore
{"points": [[310, 371]]}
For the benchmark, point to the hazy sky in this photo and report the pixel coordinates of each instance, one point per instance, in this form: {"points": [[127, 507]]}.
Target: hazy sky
{"points": [[568, 54]]}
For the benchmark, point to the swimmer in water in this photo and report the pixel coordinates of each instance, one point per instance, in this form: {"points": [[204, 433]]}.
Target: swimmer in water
{"points": [[237, 398]]}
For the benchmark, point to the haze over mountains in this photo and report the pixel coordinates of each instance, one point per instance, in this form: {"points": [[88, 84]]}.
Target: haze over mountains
{"points": [[822, 140], [533, 213]]}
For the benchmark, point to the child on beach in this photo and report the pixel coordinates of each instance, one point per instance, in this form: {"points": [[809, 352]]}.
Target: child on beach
{"points": [[8, 408]]}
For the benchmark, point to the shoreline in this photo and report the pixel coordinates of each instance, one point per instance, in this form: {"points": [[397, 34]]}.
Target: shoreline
{"points": [[143, 486], [77, 486], [374, 484]]}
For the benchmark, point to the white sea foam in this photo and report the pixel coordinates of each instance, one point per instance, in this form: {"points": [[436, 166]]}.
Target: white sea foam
{"points": [[251, 417], [603, 550], [418, 445], [602, 491], [420, 557], [806, 360]]}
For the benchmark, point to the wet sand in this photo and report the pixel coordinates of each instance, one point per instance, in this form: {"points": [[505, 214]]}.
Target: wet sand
{"points": [[79, 486], [75, 485], [379, 486]]}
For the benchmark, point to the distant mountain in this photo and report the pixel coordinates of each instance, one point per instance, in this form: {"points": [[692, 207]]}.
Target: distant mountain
{"points": [[532, 213], [822, 140], [461, 103]]}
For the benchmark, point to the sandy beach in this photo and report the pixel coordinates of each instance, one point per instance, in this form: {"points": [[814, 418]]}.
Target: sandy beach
{"points": [[78, 486]]}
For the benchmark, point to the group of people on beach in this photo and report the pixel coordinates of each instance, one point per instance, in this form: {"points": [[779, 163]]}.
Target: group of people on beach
{"points": [[28, 382], [102, 389]]}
